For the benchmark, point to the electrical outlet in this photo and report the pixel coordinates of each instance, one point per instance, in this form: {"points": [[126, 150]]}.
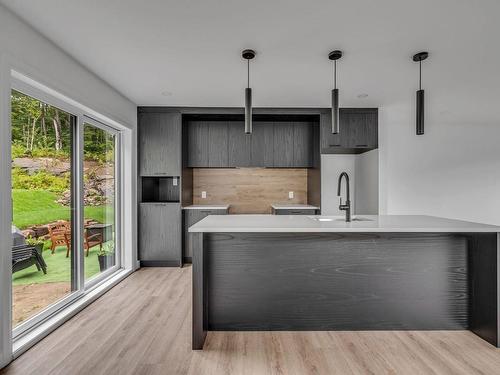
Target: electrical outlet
{"points": [[203, 194], [175, 181], [290, 195]]}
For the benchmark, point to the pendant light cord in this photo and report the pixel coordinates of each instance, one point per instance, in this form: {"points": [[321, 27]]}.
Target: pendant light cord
{"points": [[248, 73]]}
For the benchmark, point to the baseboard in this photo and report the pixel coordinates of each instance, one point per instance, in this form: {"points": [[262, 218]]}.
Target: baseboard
{"points": [[159, 263], [188, 260]]}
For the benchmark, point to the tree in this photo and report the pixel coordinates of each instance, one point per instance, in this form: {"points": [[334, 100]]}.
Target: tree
{"points": [[30, 118], [57, 130]]}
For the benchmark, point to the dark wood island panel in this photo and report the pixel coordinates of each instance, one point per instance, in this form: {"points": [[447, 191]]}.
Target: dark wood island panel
{"points": [[344, 281]]}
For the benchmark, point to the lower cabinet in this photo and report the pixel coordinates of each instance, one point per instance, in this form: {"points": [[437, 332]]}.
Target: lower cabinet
{"points": [[290, 211], [160, 234], [191, 217]]}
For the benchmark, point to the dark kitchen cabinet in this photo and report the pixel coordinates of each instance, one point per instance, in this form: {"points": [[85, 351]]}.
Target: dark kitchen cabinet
{"points": [[364, 130], [160, 139], [283, 144], [358, 131], [296, 211], [262, 154], [302, 144], [327, 139], [191, 217], [240, 145], [197, 144], [160, 234], [218, 139], [293, 144]]}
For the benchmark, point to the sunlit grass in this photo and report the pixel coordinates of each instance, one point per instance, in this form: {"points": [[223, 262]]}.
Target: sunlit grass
{"points": [[37, 207]]}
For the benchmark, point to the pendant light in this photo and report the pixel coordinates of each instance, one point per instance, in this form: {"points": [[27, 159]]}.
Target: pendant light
{"points": [[419, 57], [335, 55], [248, 55]]}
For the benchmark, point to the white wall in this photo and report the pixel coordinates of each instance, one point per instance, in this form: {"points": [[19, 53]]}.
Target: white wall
{"points": [[26, 51], [363, 177], [366, 187], [331, 167], [451, 171]]}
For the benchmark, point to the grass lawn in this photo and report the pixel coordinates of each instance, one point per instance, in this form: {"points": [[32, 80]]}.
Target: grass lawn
{"points": [[58, 268], [34, 207]]}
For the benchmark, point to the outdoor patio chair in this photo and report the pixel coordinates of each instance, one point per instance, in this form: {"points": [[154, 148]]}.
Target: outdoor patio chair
{"points": [[89, 241], [24, 256], [57, 233]]}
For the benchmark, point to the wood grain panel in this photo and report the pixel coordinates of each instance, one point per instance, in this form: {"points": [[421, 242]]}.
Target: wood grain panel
{"points": [[160, 144], [239, 145], [484, 258], [249, 190], [160, 232], [327, 281]]}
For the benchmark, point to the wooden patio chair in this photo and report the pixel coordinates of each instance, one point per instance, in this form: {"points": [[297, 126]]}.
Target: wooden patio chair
{"points": [[57, 236], [89, 241]]}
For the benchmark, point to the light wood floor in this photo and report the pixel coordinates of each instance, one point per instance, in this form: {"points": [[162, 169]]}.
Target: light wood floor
{"points": [[142, 326]]}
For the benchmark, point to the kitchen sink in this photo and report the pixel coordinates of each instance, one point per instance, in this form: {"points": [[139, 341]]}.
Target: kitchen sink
{"points": [[337, 218]]}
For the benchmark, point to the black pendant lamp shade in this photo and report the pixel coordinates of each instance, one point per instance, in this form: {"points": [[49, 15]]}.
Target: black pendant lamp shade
{"points": [[248, 55], [335, 55], [419, 57]]}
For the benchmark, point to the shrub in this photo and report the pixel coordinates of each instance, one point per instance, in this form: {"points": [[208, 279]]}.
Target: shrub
{"points": [[49, 153], [100, 156], [41, 180], [18, 151]]}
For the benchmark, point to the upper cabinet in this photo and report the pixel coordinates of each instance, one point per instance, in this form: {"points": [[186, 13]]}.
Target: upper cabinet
{"points": [[160, 139], [303, 144], [197, 144], [358, 131], [283, 144], [280, 144], [262, 149], [218, 143], [240, 145]]}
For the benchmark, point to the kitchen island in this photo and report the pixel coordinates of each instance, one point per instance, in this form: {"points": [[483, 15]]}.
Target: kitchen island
{"points": [[394, 272]]}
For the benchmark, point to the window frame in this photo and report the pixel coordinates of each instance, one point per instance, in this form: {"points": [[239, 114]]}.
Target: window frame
{"points": [[39, 92], [117, 203]]}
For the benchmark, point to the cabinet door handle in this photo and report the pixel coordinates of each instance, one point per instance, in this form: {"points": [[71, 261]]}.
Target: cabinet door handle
{"points": [[334, 145], [296, 212], [206, 211], [361, 145]]}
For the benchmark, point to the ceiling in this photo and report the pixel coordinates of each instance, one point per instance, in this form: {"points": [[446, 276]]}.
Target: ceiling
{"points": [[190, 50]]}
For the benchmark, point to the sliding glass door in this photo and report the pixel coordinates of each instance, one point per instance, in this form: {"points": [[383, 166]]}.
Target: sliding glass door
{"points": [[65, 198], [100, 176], [43, 258]]}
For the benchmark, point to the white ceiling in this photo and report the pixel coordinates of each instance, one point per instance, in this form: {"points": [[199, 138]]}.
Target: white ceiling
{"points": [[192, 48]]}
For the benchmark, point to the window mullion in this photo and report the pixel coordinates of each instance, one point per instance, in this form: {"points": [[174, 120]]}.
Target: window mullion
{"points": [[78, 208]]}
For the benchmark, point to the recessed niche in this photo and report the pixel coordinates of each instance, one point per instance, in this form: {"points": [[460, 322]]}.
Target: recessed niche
{"points": [[160, 189]]}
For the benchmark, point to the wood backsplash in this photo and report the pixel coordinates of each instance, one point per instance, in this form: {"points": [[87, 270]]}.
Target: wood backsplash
{"points": [[249, 190]]}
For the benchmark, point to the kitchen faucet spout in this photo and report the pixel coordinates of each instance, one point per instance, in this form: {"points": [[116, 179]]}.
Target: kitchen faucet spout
{"points": [[347, 206]]}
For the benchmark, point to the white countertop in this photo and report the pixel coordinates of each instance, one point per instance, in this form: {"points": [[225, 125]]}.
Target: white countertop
{"points": [[303, 223], [291, 206], [207, 207]]}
